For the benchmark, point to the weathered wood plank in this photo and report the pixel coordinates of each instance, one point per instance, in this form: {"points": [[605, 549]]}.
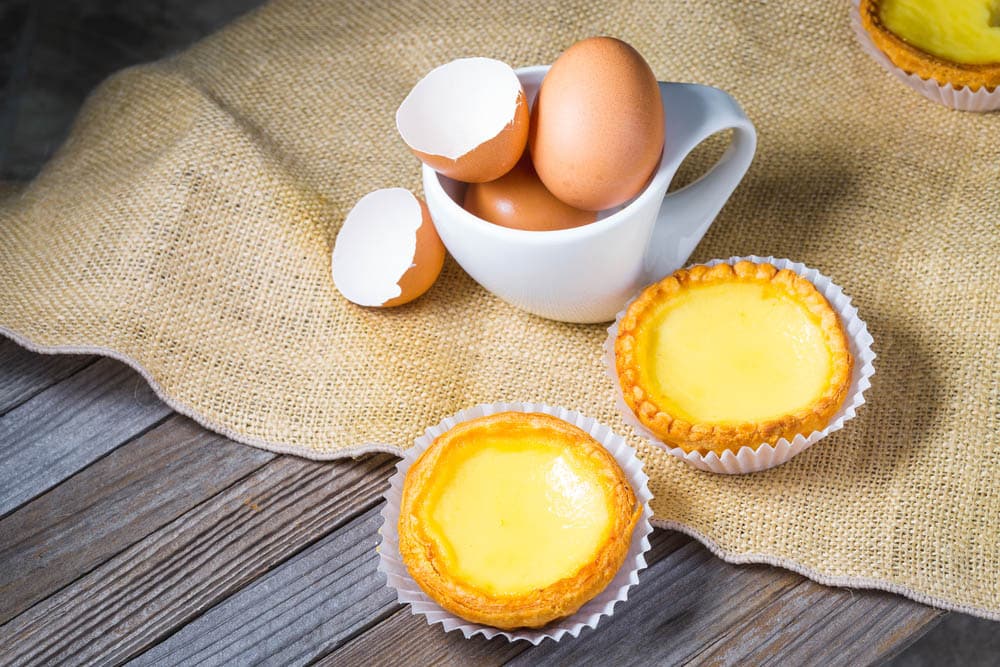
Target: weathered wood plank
{"points": [[327, 596], [24, 373], [694, 608], [308, 605], [828, 626], [407, 639], [112, 504], [688, 607], [70, 425], [958, 639], [162, 582]]}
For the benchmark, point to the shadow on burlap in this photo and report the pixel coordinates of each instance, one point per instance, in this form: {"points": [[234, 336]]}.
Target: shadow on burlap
{"points": [[186, 227]]}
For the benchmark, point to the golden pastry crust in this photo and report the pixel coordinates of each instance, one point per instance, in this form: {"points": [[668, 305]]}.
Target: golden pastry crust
{"points": [[708, 437], [925, 65], [421, 553]]}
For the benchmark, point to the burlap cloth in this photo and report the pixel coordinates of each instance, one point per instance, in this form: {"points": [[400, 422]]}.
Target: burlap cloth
{"points": [[186, 227]]}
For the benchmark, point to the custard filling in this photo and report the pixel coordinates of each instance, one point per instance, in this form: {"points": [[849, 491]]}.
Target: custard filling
{"points": [[733, 353], [962, 31], [511, 513]]}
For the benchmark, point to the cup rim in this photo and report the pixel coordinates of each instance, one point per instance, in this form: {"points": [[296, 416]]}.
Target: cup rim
{"points": [[432, 181]]}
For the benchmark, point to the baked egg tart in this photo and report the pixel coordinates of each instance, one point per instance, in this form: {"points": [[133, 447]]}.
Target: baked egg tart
{"points": [[515, 519], [950, 41], [714, 359]]}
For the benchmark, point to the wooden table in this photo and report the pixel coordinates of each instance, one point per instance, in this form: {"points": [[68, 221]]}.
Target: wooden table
{"points": [[128, 532]]}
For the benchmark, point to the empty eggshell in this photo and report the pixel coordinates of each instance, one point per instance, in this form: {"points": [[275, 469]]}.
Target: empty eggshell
{"points": [[519, 200], [597, 124], [387, 251], [467, 119]]}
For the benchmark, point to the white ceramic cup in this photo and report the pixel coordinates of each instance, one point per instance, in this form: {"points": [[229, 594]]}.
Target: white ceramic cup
{"points": [[588, 273]]}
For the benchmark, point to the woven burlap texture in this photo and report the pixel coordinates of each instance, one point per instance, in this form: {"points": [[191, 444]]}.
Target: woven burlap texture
{"points": [[187, 223]]}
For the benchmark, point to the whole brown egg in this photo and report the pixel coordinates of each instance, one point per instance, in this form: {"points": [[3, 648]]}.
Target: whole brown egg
{"points": [[520, 201], [596, 134]]}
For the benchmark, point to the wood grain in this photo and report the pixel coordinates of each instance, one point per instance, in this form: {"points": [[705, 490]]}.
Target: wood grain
{"points": [[24, 374], [405, 639], [827, 626], [689, 607], [171, 576], [692, 608], [112, 504], [70, 425], [302, 608]]}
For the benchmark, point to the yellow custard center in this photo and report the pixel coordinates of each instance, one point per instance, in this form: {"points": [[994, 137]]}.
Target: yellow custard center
{"points": [[516, 513], [733, 353], [962, 31]]}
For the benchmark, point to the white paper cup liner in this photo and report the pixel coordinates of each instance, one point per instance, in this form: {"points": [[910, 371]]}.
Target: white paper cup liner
{"points": [[764, 456], [407, 590], [963, 99]]}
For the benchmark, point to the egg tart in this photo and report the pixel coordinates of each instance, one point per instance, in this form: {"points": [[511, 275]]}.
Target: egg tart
{"points": [[956, 42], [714, 359], [515, 519]]}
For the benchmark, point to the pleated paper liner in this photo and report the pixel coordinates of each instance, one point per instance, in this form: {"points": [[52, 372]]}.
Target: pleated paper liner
{"points": [[764, 456], [590, 614], [962, 99]]}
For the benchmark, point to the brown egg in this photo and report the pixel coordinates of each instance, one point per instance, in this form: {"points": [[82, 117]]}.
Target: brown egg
{"points": [[519, 200], [467, 119], [597, 126]]}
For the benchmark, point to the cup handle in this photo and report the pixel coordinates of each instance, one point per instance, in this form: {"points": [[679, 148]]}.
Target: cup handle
{"points": [[692, 114]]}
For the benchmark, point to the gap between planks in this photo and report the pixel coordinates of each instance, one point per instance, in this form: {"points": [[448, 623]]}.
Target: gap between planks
{"points": [[165, 580], [115, 502], [68, 426], [25, 374], [61, 557]]}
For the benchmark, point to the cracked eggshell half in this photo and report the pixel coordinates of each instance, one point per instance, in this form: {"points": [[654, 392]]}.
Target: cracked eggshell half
{"points": [[467, 119], [387, 252]]}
